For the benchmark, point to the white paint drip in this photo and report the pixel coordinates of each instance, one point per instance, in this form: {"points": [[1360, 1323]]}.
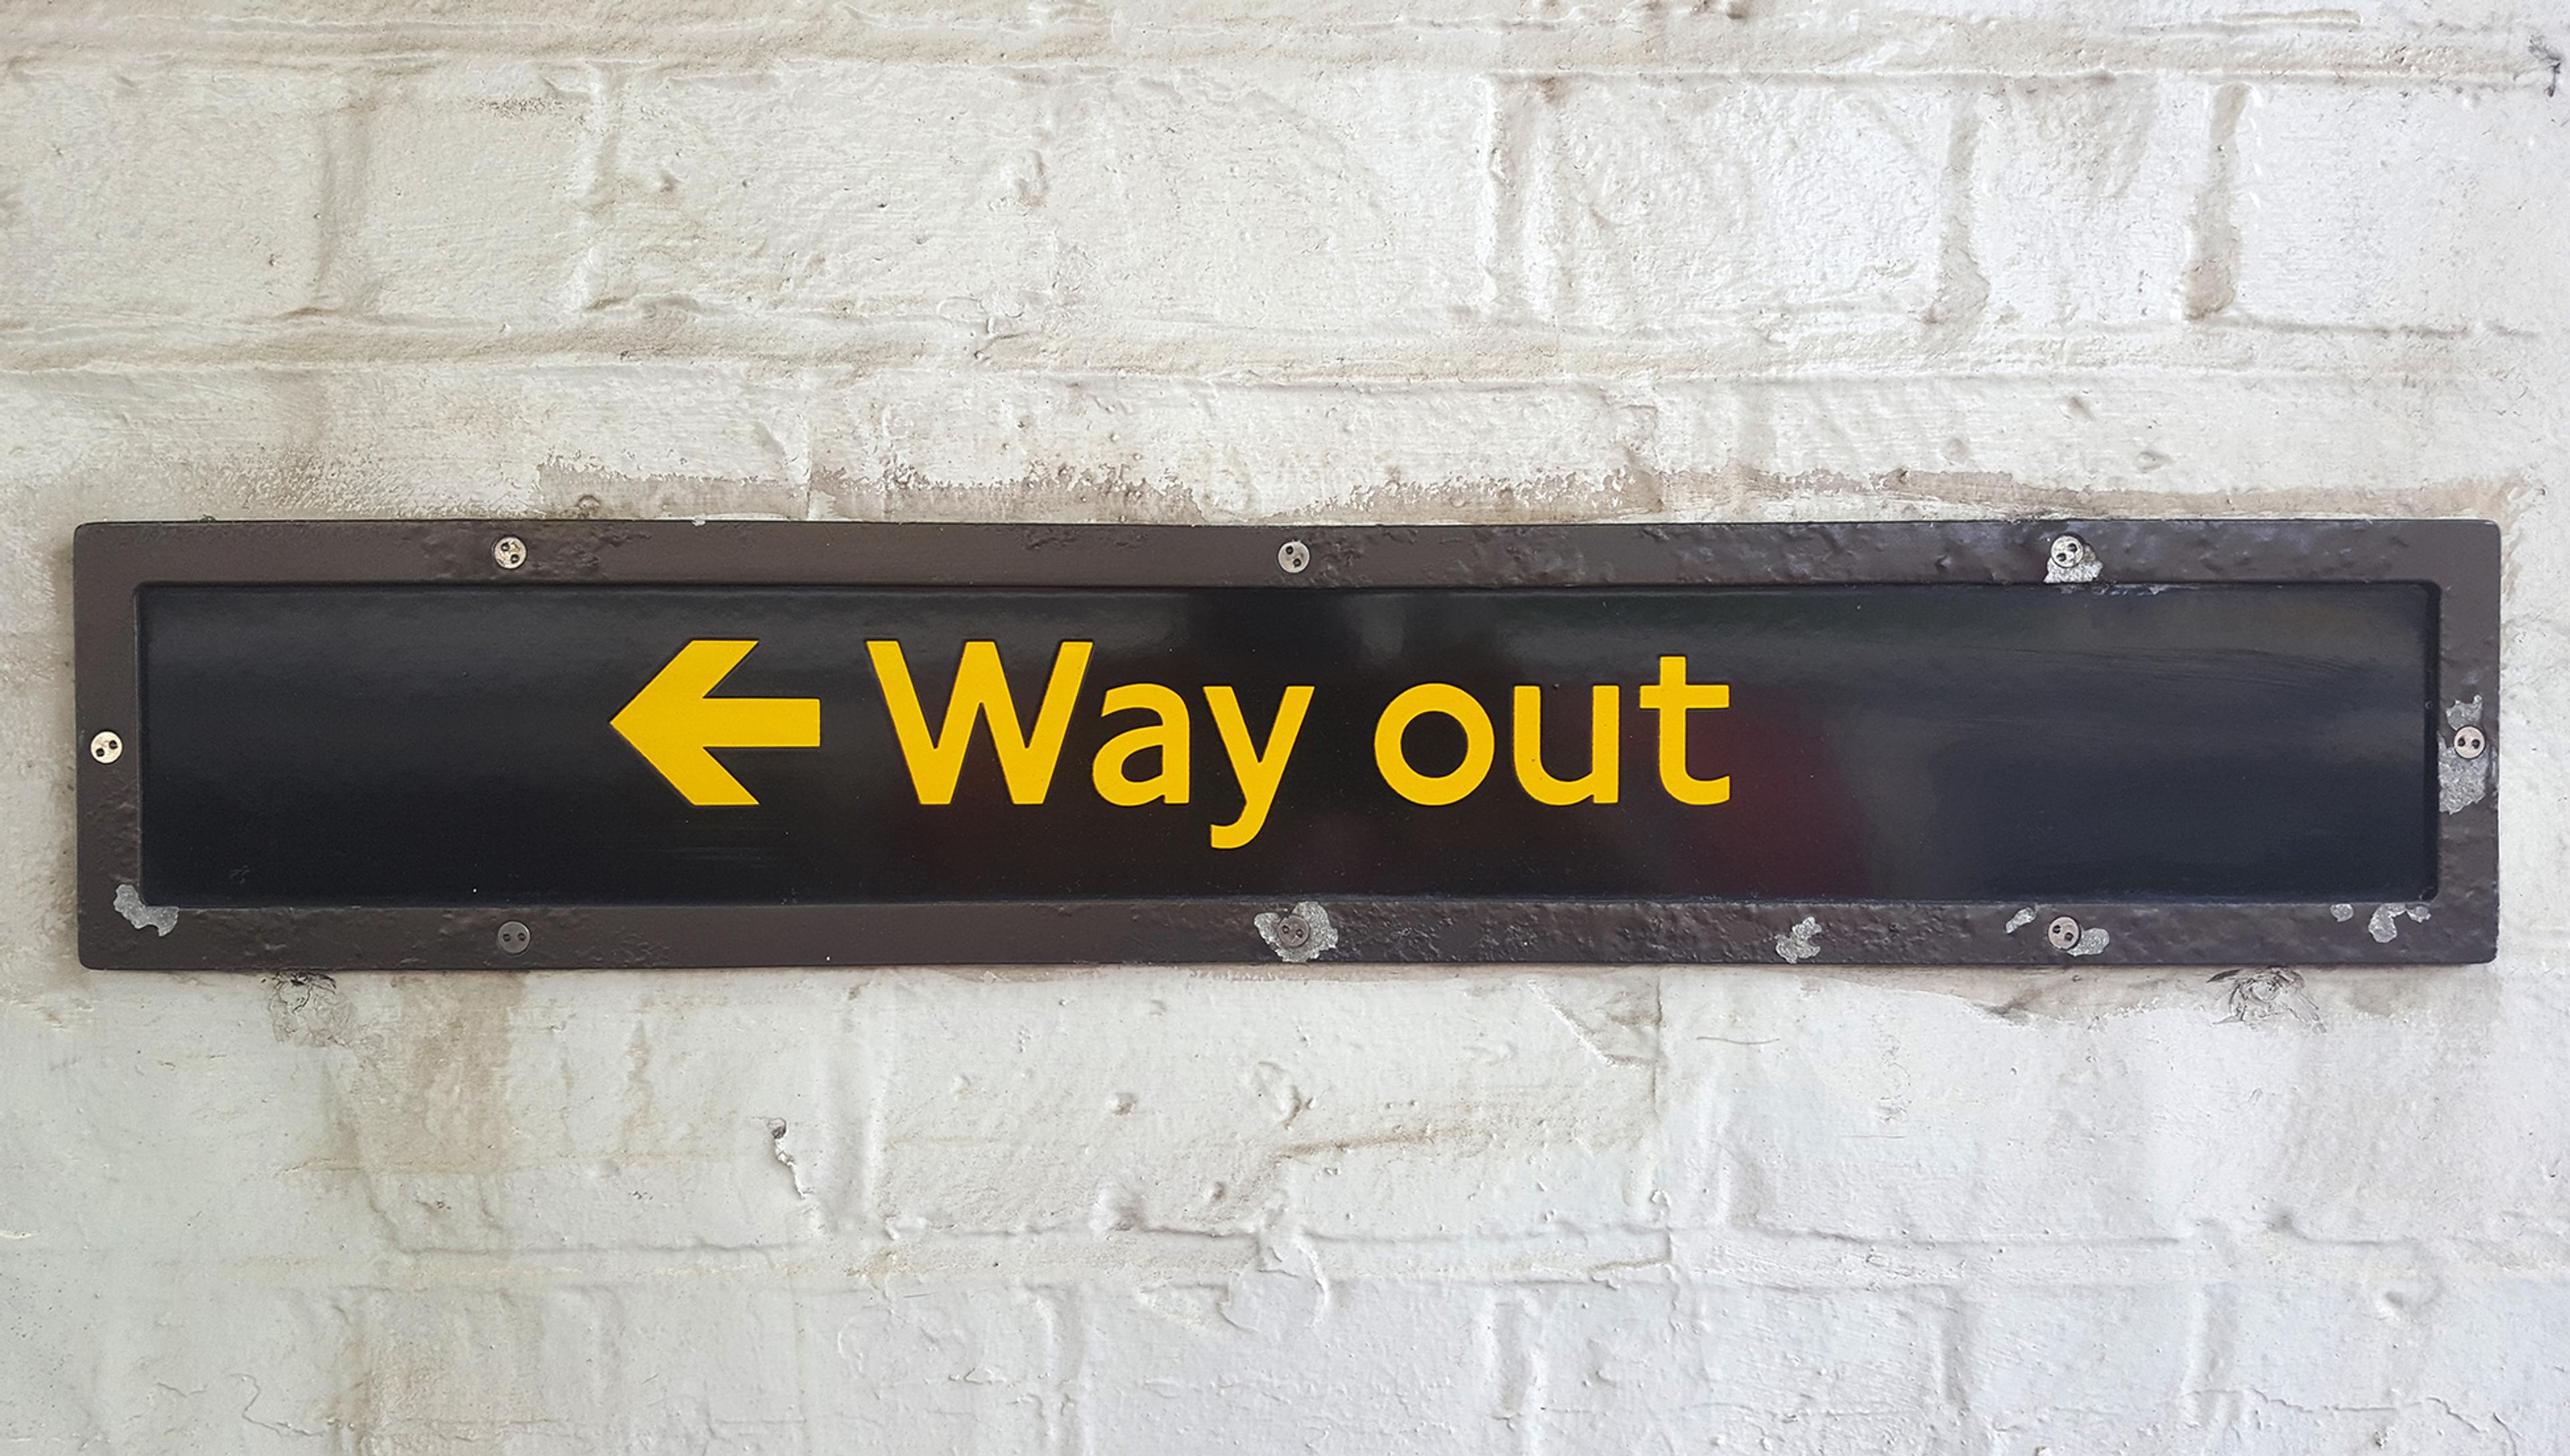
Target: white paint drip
{"points": [[777, 1131]]}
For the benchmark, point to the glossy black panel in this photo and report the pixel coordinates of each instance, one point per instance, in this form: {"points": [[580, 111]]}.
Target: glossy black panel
{"points": [[436, 744]]}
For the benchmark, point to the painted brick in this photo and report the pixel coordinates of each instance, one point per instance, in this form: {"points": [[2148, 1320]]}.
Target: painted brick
{"points": [[1272, 201], [2074, 1369], [273, 1185], [519, 143], [150, 191], [1665, 205], [2083, 192], [1834, 1108], [1405, 1368], [493, 1123], [452, 1370], [700, 1364], [2424, 207], [2215, 437], [2146, 15], [730, 1366], [33, 702], [882, 446], [1652, 1367], [436, 1120], [223, 1370], [1356, 1109], [48, 1355], [828, 189], [686, 438], [1324, 17], [2409, 1358]]}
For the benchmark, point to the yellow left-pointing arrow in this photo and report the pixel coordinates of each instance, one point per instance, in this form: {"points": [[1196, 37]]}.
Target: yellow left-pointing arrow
{"points": [[671, 722]]}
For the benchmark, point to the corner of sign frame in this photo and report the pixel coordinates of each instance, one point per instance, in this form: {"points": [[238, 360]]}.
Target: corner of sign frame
{"points": [[91, 537], [95, 932]]}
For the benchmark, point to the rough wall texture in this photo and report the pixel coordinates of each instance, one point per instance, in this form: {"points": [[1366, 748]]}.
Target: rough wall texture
{"points": [[1234, 261]]}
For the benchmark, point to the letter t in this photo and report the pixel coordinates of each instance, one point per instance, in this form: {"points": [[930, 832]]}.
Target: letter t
{"points": [[1671, 698]]}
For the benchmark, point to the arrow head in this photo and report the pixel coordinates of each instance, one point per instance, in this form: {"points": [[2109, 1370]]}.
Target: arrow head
{"points": [[672, 721]]}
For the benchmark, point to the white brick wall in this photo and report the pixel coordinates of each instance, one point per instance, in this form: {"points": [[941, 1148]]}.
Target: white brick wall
{"points": [[1182, 260]]}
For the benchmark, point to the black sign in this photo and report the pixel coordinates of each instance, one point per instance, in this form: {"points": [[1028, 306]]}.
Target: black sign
{"points": [[574, 743]]}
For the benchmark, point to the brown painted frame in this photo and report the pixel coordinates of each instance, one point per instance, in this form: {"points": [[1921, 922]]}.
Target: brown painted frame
{"points": [[112, 559]]}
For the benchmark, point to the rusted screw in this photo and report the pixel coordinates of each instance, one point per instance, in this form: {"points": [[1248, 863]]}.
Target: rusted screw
{"points": [[510, 553], [2468, 742], [2063, 933]]}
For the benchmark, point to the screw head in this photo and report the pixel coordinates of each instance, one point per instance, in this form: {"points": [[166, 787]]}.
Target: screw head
{"points": [[510, 553], [107, 748], [2468, 742], [2068, 551], [1293, 932], [515, 937], [1292, 557], [2063, 933]]}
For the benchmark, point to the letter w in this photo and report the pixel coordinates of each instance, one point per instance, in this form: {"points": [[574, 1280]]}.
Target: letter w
{"points": [[1026, 758]]}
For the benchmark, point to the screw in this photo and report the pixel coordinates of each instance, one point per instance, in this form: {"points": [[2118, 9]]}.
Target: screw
{"points": [[1293, 556], [2068, 551], [510, 553], [107, 748], [1293, 932], [515, 937], [2063, 933], [2468, 742]]}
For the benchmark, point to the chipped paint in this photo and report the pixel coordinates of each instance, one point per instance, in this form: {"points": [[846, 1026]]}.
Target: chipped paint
{"points": [[2071, 562], [2093, 940], [2463, 781], [161, 919], [309, 1009], [2267, 995], [1799, 943], [2385, 925], [2020, 919], [1302, 933]]}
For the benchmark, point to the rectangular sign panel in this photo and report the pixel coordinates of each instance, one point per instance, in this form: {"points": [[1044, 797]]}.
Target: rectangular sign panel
{"points": [[566, 743]]}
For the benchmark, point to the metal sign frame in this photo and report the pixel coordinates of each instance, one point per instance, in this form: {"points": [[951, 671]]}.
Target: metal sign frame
{"points": [[112, 560]]}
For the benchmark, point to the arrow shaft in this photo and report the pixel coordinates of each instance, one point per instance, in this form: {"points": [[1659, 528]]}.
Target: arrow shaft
{"points": [[755, 722]]}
